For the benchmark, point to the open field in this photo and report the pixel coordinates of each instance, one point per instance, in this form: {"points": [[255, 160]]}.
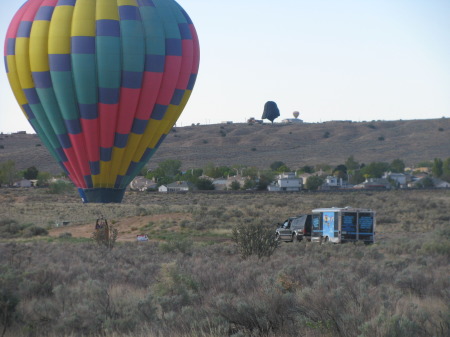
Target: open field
{"points": [[189, 279]]}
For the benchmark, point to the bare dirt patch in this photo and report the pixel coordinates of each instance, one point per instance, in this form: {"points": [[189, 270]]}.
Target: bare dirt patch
{"points": [[128, 228]]}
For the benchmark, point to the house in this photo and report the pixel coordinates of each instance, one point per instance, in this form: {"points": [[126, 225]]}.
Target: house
{"points": [[286, 182], [23, 183], [292, 121], [222, 184], [439, 183], [400, 179], [304, 176], [332, 182], [375, 183], [422, 169], [178, 186], [142, 184]]}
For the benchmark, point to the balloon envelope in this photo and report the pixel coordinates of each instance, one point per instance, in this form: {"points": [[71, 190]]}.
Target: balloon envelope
{"points": [[102, 83], [271, 111], [296, 114]]}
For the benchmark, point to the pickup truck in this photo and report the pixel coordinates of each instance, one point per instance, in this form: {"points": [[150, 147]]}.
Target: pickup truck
{"points": [[295, 228]]}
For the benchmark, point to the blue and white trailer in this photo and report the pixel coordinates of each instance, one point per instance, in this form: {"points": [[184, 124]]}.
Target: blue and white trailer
{"points": [[343, 225]]}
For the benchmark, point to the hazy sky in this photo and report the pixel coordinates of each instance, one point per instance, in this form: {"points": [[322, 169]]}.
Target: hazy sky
{"points": [[329, 59]]}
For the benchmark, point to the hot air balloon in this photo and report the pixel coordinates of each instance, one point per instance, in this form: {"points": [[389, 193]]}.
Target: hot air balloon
{"points": [[296, 114], [271, 111], [102, 83]]}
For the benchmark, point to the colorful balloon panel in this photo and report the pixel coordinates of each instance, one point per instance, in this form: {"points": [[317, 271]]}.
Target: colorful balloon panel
{"points": [[102, 82]]}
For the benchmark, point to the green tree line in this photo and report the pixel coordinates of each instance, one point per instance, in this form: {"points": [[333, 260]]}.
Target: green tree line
{"points": [[170, 171]]}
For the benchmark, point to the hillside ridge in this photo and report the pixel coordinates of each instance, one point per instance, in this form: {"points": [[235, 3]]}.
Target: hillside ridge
{"points": [[258, 145]]}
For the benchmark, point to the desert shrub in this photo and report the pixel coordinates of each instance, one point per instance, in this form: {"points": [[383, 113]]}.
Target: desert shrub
{"points": [[439, 243], [65, 235], [255, 239], [35, 231], [183, 246], [142, 211], [9, 300], [414, 281], [398, 286], [12, 229], [259, 313], [60, 187], [175, 289]]}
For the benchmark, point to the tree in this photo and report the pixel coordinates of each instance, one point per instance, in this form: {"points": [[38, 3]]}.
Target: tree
{"points": [[438, 167], [446, 170], [8, 173], [271, 111], [397, 166], [252, 172], [249, 184], [283, 168], [323, 167], [426, 182], [43, 178], [340, 171], [170, 167], [264, 179], [314, 182], [205, 184], [351, 163], [31, 173], [307, 169], [193, 175], [235, 185], [375, 169], [167, 172], [276, 165], [210, 170], [428, 164], [356, 177]]}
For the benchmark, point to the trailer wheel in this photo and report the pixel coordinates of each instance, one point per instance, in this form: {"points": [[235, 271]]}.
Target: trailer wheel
{"points": [[294, 237]]}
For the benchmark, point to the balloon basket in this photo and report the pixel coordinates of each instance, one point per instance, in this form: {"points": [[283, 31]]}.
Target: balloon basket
{"points": [[102, 195]]}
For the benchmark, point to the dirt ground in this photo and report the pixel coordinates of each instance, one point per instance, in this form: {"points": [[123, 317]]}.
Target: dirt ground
{"points": [[128, 228]]}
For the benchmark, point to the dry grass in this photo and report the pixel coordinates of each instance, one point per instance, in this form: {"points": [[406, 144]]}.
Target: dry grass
{"points": [[190, 282], [412, 141]]}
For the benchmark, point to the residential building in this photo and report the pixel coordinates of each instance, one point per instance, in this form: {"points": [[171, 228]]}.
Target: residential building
{"points": [[178, 186], [375, 183], [286, 182], [332, 182], [142, 184], [292, 121], [222, 184], [23, 183], [400, 179]]}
